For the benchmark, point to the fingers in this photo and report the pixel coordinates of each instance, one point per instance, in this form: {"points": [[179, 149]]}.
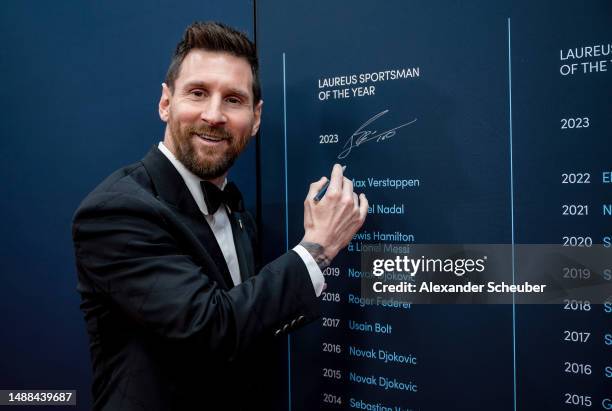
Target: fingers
{"points": [[363, 207], [355, 201], [335, 183], [347, 189], [315, 188]]}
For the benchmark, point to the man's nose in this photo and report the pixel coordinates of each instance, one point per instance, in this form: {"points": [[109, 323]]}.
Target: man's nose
{"points": [[212, 112]]}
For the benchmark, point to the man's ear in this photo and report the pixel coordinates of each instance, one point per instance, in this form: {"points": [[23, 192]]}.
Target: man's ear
{"points": [[164, 103], [257, 112]]}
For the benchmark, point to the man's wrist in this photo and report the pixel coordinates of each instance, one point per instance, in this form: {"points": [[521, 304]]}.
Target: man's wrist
{"points": [[318, 253]]}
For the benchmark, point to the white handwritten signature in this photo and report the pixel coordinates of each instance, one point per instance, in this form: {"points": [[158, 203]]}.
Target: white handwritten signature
{"points": [[362, 136]]}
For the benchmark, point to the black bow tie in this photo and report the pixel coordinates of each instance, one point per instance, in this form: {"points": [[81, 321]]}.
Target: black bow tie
{"points": [[214, 196]]}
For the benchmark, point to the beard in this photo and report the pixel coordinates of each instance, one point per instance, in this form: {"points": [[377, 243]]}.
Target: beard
{"points": [[206, 162]]}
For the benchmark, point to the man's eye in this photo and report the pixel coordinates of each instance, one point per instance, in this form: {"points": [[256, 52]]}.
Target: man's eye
{"points": [[233, 100], [197, 93]]}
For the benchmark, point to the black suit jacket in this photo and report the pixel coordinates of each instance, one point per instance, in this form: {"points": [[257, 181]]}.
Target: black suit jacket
{"points": [[167, 329]]}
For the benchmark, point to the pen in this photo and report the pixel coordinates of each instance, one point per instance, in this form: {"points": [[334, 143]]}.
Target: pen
{"points": [[323, 190]]}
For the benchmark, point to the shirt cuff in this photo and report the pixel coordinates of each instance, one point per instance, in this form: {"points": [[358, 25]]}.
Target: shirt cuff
{"points": [[316, 276]]}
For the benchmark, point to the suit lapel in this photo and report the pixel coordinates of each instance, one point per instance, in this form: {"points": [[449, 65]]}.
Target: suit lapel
{"points": [[171, 189], [244, 249]]}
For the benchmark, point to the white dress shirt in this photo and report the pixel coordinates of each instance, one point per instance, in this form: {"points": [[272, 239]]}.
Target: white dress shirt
{"points": [[220, 225]]}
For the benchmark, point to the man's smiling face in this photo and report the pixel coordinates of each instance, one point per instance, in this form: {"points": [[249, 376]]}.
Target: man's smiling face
{"points": [[210, 113]]}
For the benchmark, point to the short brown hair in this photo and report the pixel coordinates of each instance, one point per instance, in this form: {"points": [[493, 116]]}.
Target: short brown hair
{"points": [[213, 36]]}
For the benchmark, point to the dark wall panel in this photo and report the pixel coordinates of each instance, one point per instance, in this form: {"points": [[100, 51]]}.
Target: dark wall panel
{"points": [[81, 82], [476, 130]]}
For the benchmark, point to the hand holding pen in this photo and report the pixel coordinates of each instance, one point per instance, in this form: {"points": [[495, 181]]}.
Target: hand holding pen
{"points": [[333, 213]]}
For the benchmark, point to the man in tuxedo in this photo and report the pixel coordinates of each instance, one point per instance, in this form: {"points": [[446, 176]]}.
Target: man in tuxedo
{"points": [[178, 314]]}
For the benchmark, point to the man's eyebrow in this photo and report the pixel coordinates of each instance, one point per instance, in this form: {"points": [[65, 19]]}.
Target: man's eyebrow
{"points": [[194, 84]]}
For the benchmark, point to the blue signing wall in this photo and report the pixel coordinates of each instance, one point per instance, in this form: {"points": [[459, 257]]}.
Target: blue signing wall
{"points": [[80, 86], [476, 124]]}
